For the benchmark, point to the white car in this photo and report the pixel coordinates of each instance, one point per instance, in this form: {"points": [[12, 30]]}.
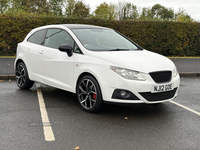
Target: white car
{"points": [[98, 64]]}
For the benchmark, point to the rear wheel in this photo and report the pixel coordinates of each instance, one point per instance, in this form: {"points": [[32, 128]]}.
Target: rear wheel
{"points": [[89, 94], [22, 79]]}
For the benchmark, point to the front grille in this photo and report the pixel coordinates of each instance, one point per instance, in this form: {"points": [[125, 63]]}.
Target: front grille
{"points": [[162, 76], [158, 96]]}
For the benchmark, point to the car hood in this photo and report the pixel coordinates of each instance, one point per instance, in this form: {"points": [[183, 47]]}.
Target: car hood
{"points": [[139, 60]]}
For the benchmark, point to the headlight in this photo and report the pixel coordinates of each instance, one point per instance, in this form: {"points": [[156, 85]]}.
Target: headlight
{"points": [[128, 74], [175, 72]]}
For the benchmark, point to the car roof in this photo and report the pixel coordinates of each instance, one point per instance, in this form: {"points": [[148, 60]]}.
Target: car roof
{"points": [[73, 26], [69, 26], [83, 26]]}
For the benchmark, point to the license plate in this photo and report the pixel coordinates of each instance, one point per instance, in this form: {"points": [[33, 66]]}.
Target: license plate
{"points": [[162, 88]]}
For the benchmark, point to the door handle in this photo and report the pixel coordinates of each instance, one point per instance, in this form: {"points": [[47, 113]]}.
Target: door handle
{"points": [[41, 52]]}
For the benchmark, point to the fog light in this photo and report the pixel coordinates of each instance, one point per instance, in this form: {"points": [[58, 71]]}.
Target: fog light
{"points": [[125, 94]]}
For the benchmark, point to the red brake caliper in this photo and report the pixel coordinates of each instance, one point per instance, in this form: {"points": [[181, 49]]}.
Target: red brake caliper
{"points": [[94, 96]]}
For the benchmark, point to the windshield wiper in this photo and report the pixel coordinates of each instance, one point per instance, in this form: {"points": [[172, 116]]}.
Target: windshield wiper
{"points": [[118, 49]]}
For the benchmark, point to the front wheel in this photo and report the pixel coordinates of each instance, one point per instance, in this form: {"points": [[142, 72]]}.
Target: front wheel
{"points": [[22, 79], [89, 94]]}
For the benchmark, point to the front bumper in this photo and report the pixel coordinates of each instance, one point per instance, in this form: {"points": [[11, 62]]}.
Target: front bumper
{"points": [[141, 90]]}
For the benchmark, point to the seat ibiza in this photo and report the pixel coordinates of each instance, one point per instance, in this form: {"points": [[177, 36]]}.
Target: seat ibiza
{"points": [[98, 64]]}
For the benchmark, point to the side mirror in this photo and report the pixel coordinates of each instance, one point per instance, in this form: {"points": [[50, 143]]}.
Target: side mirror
{"points": [[66, 48]]}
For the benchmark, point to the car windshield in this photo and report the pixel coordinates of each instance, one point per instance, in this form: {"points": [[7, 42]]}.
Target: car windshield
{"points": [[103, 40]]}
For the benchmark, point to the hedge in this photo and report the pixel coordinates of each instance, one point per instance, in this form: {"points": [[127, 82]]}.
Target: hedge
{"points": [[166, 38]]}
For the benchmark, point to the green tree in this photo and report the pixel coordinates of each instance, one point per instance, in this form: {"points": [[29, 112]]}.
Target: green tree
{"points": [[4, 5], [18, 4], [70, 7], [30, 6], [81, 10], [112, 14], [167, 14], [160, 12], [146, 14], [127, 11], [182, 16], [56, 7], [39, 6], [155, 10], [135, 13], [105, 11]]}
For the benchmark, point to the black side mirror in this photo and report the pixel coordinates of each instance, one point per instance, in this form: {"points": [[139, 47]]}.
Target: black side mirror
{"points": [[66, 48]]}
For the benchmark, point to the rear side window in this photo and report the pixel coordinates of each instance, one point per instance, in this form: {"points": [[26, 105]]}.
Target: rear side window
{"points": [[37, 37]]}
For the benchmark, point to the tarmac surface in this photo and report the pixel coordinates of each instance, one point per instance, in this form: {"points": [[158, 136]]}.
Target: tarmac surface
{"points": [[172, 125], [187, 67]]}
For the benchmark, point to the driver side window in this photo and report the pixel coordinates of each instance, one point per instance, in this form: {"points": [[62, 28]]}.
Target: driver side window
{"points": [[56, 37]]}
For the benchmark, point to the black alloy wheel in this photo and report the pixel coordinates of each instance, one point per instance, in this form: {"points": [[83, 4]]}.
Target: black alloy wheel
{"points": [[89, 94], [22, 79]]}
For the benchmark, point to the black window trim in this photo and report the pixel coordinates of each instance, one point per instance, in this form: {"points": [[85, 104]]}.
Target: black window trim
{"points": [[78, 47]]}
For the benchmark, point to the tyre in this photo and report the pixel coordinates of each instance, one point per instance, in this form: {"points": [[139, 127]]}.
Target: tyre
{"points": [[89, 94], [22, 79]]}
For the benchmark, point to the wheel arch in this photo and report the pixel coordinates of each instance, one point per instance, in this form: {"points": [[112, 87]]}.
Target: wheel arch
{"points": [[22, 78], [20, 60], [99, 102], [85, 74]]}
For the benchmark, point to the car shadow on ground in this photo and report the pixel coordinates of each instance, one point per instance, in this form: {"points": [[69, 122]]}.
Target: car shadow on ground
{"points": [[56, 98]]}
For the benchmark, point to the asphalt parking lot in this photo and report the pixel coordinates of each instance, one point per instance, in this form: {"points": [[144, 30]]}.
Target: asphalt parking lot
{"points": [[60, 123]]}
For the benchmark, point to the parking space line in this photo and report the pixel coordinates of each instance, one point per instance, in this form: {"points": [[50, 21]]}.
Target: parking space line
{"points": [[193, 111], [48, 132]]}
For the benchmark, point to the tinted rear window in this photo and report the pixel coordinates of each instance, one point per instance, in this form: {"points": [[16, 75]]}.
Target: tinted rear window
{"points": [[37, 37]]}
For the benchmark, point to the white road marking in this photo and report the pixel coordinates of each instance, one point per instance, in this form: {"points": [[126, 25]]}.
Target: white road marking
{"points": [[48, 132], [193, 111]]}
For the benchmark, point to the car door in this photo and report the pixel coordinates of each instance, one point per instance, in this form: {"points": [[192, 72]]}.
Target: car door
{"points": [[34, 46], [57, 66]]}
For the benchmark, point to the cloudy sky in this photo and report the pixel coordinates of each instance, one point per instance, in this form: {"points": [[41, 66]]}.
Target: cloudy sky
{"points": [[192, 7]]}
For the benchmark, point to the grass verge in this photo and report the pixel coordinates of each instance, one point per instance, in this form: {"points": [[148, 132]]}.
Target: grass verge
{"points": [[7, 56]]}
